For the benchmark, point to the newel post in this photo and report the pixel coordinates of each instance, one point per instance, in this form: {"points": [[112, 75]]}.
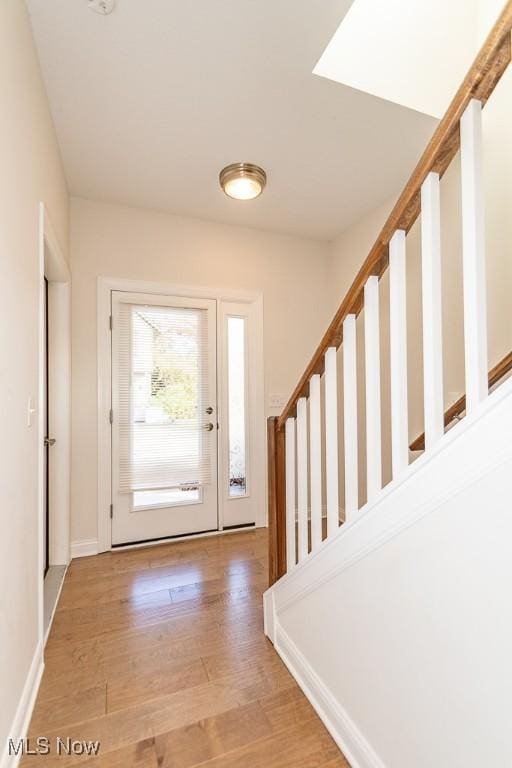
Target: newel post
{"points": [[276, 501]]}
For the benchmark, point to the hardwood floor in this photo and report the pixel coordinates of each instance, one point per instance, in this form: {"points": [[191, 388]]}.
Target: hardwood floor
{"points": [[159, 654]]}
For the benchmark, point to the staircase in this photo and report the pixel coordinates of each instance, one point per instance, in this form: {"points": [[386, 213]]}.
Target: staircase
{"points": [[398, 623]]}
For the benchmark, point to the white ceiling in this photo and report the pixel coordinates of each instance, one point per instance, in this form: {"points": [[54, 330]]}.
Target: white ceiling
{"points": [[152, 101]]}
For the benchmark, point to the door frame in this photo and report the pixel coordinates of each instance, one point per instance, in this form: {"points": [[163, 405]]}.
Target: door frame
{"points": [[105, 286], [46, 417], [53, 266]]}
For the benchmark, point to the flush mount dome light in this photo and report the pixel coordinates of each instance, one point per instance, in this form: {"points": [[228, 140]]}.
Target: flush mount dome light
{"points": [[243, 181]]}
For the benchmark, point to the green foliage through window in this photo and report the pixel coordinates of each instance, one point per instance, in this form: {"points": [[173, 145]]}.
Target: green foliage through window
{"points": [[175, 391]]}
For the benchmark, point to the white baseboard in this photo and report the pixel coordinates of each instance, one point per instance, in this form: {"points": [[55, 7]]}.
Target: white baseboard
{"points": [[84, 548], [54, 606], [344, 731], [24, 710], [269, 615]]}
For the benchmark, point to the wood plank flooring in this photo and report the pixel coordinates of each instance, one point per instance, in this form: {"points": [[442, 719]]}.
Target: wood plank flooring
{"points": [[159, 654]]}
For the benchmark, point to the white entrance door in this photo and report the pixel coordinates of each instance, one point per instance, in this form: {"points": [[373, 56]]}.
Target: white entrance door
{"points": [[164, 417]]}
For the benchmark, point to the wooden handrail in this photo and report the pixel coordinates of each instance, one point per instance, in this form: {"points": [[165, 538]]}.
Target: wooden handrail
{"points": [[479, 83], [457, 409]]}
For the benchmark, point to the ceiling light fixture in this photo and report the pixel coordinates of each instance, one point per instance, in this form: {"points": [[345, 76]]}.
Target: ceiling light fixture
{"points": [[102, 6], [243, 181]]}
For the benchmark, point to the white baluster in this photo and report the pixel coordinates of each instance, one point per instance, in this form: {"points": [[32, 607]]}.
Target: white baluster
{"points": [[350, 417], [302, 478], [398, 353], [372, 371], [432, 310], [291, 488], [473, 251], [331, 440], [315, 460]]}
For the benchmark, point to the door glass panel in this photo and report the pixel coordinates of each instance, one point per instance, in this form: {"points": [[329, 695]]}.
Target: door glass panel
{"points": [[163, 394], [169, 497], [237, 406]]}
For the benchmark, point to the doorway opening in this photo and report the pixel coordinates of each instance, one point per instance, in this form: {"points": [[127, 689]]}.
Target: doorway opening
{"points": [[54, 420]]}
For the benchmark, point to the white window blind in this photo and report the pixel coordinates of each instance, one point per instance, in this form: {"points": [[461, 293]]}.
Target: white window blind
{"points": [[163, 396]]}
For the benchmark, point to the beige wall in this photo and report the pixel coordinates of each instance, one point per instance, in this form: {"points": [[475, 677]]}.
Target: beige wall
{"points": [[31, 172], [116, 241], [352, 247]]}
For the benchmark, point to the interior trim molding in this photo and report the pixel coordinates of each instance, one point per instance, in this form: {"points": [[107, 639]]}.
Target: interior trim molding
{"points": [[21, 722], [84, 548], [342, 728]]}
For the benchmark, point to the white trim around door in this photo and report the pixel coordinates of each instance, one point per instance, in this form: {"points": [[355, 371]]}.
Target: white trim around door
{"points": [[238, 302]]}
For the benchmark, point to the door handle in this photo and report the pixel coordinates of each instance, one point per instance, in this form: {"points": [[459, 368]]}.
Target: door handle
{"points": [[49, 441], [209, 410], [208, 427]]}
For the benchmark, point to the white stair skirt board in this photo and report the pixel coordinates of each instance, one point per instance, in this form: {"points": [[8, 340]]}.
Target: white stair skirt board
{"points": [[21, 722], [419, 531], [343, 730], [84, 548]]}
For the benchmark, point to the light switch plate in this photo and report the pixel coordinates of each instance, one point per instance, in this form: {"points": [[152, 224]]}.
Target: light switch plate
{"points": [[276, 401], [31, 411]]}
